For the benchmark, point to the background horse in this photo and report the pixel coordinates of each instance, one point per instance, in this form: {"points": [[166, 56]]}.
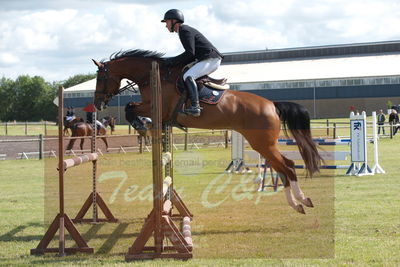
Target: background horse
{"points": [[69, 123], [255, 117], [145, 134], [109, 121], [81, 129]]}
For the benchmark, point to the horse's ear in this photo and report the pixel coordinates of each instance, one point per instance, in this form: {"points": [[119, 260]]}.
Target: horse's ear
{"points": [[98, 64]]}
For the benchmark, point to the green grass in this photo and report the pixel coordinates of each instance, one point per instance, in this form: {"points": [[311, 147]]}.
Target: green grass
{"points": [[19, 129], [51, 129], [356, 220]]}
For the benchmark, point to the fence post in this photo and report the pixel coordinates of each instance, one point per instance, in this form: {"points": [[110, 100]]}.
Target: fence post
{"points": [[391, 129], [186, 141], [327, 127], [129, 128], [45, 127], [334, 130], [41, 146], [6, 128], [226, 138], [140, 140], [26, 128]]}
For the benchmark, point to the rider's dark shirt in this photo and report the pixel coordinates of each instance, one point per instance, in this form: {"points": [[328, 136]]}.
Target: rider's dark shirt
{"points": [[89, 117], [197, 47]]}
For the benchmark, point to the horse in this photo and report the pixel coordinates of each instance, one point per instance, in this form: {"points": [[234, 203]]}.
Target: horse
{"points": [[81, 129], [109, 121], [69, 123], [145, 134], [256, 118]]}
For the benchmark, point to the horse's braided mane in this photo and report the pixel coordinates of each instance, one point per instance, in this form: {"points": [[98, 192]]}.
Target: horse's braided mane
{"points": [[136, 53]]}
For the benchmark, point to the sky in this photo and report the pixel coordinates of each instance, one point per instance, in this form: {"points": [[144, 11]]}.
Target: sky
{"points": [[57, 39]]}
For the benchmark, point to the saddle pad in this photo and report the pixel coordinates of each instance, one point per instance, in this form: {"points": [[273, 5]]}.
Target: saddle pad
{"points": [[210, 95]]}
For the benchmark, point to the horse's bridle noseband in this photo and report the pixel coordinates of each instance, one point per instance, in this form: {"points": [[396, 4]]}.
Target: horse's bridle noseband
{"points": [[104, 78]]}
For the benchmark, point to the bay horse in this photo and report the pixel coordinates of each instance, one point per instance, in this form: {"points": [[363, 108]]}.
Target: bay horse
{"points": [[69, 123], [81, 129], [109, 121], [256, 118], [145, 134]]}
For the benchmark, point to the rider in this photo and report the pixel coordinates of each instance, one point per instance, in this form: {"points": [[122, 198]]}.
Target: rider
{"points": [[90, 109], [69, 116], [197, 47]]}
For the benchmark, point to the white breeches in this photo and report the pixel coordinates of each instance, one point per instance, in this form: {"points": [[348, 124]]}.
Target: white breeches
{"points": [[202, 68], [99, 124]]}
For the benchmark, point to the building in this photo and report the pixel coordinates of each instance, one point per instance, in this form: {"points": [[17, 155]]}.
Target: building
{"points": [[327, 80]]}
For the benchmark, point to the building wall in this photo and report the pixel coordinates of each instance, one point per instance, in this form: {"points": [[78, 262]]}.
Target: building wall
{"points": [[339, 108], [116, 107], [331, 102]]}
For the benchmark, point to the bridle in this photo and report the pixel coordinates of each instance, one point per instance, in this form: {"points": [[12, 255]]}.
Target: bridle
{"points": [[104, 79], [103, 76]]}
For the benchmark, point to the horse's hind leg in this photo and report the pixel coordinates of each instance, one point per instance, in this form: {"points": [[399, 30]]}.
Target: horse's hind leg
{"points": [[285, 168], [105, 142], [70, 144], [103, 131], [81, 145], [298, 193], [263, 141]]}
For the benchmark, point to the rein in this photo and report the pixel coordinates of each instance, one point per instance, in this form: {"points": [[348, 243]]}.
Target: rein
{"points": [[130, 86]]}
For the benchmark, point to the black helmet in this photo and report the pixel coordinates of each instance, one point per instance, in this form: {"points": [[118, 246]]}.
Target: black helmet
{"points": [[174, 14]]}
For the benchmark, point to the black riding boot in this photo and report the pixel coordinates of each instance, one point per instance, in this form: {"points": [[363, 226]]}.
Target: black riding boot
{"points": [[191, 87]]}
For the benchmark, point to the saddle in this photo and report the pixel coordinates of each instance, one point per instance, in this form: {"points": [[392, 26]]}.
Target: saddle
{"points": [[219, 84], [210, 90]]}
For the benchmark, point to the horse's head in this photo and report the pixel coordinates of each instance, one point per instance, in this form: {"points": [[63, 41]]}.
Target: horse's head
{"points": [[107, 85]]}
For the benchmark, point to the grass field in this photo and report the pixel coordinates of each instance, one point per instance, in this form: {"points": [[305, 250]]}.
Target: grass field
{"points": [[51, 129], [356, 220]]}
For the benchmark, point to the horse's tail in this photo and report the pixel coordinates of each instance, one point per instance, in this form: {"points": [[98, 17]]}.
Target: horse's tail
{"points": [[296, 118]]}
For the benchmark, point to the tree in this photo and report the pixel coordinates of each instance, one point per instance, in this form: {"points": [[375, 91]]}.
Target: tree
{"points": [[31, 98], [6, 98]]}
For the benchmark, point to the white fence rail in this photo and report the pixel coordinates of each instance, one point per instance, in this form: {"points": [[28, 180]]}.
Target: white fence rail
{"points": [[6, 127]]}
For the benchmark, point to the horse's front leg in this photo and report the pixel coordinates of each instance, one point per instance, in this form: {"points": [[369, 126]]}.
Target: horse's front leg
{"points": [[133, 110]]}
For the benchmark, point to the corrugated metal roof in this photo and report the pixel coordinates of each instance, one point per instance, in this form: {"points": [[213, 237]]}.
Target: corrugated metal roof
{"points": [[89, 86], [310, 69], [388, 47]]}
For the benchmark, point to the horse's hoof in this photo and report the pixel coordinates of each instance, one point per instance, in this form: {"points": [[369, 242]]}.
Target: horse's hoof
{"points": [[308, 203], [300, 209]]}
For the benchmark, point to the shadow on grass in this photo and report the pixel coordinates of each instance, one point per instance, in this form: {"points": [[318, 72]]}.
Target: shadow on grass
{"points": [[91, 233], [11, 236]]}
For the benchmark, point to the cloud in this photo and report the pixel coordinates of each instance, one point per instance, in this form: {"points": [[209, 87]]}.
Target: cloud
{"points": [[57, 39], [313, 22], [8, 59], [76, 4]]}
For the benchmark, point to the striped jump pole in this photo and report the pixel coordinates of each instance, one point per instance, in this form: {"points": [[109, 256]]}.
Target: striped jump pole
{"points": [[62, 220], [160, 222], [94, 199]]}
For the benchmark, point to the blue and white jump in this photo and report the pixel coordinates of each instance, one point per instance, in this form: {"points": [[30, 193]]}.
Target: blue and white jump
{"points": [[357, 143]]}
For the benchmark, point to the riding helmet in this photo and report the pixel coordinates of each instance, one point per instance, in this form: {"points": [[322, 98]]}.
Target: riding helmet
{"points": [[174, 14]]}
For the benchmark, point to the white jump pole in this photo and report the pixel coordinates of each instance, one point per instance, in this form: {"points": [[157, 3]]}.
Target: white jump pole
{"points": [[376, 168]]}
